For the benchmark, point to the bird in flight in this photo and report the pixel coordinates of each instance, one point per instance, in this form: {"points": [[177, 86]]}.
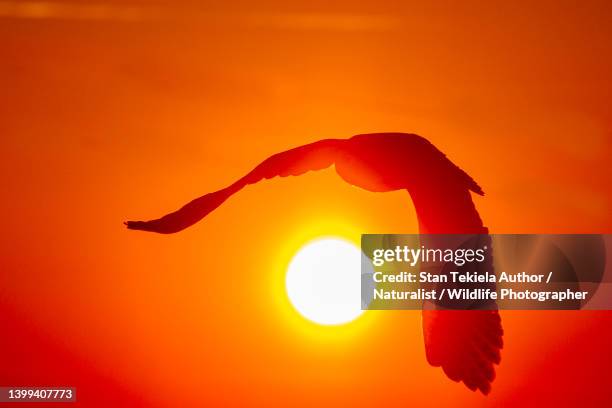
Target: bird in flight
{"points": [[466, 344]]}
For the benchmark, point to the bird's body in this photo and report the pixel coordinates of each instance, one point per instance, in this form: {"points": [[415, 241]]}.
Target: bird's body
{"points": [[466, 344]]}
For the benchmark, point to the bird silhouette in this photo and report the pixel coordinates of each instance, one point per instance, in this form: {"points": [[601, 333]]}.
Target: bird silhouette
{"points": [[465, 343]]}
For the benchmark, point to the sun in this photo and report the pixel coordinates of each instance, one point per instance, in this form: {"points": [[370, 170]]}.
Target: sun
{"points": [[323, 281]]}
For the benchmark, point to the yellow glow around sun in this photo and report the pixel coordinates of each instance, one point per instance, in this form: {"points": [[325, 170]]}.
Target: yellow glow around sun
{"points": [[295, 237], [323, 281]]}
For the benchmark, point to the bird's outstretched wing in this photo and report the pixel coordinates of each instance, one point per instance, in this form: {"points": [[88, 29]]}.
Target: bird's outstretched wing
{"points": [[465, 343], [314, 156]]}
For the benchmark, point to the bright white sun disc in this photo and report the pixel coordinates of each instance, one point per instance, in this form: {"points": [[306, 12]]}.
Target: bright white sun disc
{"points": [[324, 281]]}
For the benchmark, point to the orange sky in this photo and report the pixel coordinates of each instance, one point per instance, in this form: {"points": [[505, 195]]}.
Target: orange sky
{"points": [[112, 112]]}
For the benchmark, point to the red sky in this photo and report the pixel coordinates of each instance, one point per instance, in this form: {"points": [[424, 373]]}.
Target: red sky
{"points": [[112, 111]]}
